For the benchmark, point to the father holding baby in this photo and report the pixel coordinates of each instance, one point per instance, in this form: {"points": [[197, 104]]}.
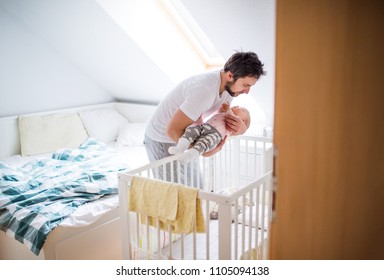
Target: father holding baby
{"points": [[196, 98]]}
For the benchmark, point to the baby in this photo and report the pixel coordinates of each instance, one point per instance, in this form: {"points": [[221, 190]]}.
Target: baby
{"points": [[207, 136]]}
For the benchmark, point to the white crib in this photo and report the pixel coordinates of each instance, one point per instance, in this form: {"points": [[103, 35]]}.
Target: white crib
{"points": [[236, 182]]}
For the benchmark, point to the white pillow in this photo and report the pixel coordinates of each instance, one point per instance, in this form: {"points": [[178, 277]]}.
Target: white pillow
{"points": [[45, 134], [131, 134], [103, 124]]}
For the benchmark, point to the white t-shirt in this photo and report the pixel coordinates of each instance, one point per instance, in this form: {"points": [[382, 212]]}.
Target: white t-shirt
{"points": [[196, 96]]}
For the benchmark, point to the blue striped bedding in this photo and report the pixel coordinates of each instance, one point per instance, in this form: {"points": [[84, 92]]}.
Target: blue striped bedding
{"points": [[37, 196]]}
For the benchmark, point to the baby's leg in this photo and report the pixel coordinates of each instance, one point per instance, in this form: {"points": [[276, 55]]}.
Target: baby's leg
{"points": [[189, 136], [207, 142], [181, 146], [202, 145]]}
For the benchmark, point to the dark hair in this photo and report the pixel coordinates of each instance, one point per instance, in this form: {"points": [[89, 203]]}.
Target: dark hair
{"points": [[244, 64]]}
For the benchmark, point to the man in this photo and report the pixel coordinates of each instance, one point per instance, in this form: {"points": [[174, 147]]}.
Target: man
{"points": [[196, 98]]}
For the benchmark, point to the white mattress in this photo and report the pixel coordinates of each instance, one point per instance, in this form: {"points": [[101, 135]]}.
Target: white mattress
{"points": [[133, 156]]}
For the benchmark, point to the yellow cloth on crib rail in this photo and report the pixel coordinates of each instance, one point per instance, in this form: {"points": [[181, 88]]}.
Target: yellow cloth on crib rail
{"points": [[173, 204]]}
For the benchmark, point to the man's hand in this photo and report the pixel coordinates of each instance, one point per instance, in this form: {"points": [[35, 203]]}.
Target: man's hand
{"points": [[235, 124]]}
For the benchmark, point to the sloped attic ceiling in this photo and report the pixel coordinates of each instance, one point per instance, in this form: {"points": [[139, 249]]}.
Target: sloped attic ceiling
{"points": [[167, 33], [63, 53], [85, 35]]}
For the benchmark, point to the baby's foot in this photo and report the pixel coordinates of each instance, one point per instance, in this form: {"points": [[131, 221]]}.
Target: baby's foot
{"points": [[189, 155], [174, 150], [181, 146]]}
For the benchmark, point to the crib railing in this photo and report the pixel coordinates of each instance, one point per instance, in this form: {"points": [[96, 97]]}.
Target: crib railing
{"points": [[242, 160], [236, 183]]}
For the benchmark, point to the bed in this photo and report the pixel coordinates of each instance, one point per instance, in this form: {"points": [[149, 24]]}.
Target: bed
{"points": [[58, 188], [234, 183]]}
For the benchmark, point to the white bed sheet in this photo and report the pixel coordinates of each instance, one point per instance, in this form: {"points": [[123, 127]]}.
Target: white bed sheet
{"points": [[132, 156], [18, 161]]}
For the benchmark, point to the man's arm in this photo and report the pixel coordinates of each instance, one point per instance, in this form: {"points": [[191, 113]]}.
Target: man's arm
{"points": [[178, 124]]}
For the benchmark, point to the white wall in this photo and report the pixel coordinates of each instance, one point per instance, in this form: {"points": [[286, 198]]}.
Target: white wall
{"points": [[34, 76], [61, 53]]}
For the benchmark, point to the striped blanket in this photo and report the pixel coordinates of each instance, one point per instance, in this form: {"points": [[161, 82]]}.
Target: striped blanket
{"points": [[36, 197]]}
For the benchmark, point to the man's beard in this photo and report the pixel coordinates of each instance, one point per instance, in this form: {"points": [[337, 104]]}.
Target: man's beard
{"points": [[231, 93]]}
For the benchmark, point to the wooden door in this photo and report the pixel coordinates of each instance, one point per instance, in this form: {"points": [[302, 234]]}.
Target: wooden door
{"points": [[329, 121]]}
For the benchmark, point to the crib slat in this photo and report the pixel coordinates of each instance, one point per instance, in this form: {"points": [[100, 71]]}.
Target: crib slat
{"points": [[227, 172], [182, 247], [207, 218], [158, 239], [163, 171], [254, 158], [147, 236], [257, 210], [194, 241], [125, 233], [236, 231], [262, 215], [178, 172], [170, 242], [250, 225], [197, 171], [224, 231], [187, 174], [243, 230], [172, 171]]}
